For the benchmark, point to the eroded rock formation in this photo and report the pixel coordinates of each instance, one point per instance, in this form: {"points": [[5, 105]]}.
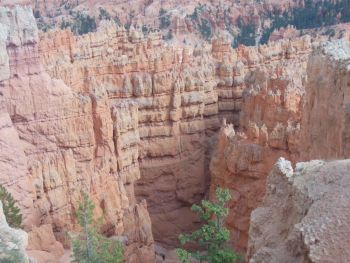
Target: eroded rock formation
{"points": [[56, 143], [302, 117], [136, 104]]}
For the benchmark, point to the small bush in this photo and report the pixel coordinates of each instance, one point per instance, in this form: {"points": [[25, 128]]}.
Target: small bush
{"points": [[89, 246], [80, 23], [168, 36], [145, 30], [84, 24], [330, 32]]}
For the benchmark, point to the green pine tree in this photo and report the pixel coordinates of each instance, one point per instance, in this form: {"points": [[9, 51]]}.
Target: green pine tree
{"points": [[12, 212], [212, 237], [89, 246]]}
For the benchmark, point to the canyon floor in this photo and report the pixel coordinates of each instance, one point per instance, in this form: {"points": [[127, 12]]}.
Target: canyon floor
{"points": [[149, 124]]}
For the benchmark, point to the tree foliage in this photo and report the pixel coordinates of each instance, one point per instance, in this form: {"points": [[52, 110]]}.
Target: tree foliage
{"points": [[104, 15], [202, 24], [164, 19], [80, 23], [246, 36], [212, 237], [89, 246], [205, 29], [12, 212]]}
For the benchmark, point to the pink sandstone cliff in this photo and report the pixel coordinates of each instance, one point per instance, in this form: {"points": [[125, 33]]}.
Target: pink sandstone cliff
{"points": [[176, 99], [56, 143]]}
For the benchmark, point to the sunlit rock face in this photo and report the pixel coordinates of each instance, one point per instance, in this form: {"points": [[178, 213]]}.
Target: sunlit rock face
{"points": [[165, 101]]}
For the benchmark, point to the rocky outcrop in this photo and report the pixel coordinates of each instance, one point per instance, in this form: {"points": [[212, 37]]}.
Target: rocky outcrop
{"points": [[13, 242], [16, 32], [59, 142], [304, 215]]}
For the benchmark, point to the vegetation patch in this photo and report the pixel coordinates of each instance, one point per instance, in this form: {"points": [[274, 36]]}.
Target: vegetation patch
{"points": [[211, 239]]}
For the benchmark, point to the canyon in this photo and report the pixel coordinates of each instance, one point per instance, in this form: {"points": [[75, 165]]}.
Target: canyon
{"points": [[149, 127]]}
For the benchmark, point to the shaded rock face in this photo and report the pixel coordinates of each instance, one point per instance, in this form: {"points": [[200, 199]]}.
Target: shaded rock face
{"points": [[13, 242], [304, 215], [302, 117], [56, 143]]}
